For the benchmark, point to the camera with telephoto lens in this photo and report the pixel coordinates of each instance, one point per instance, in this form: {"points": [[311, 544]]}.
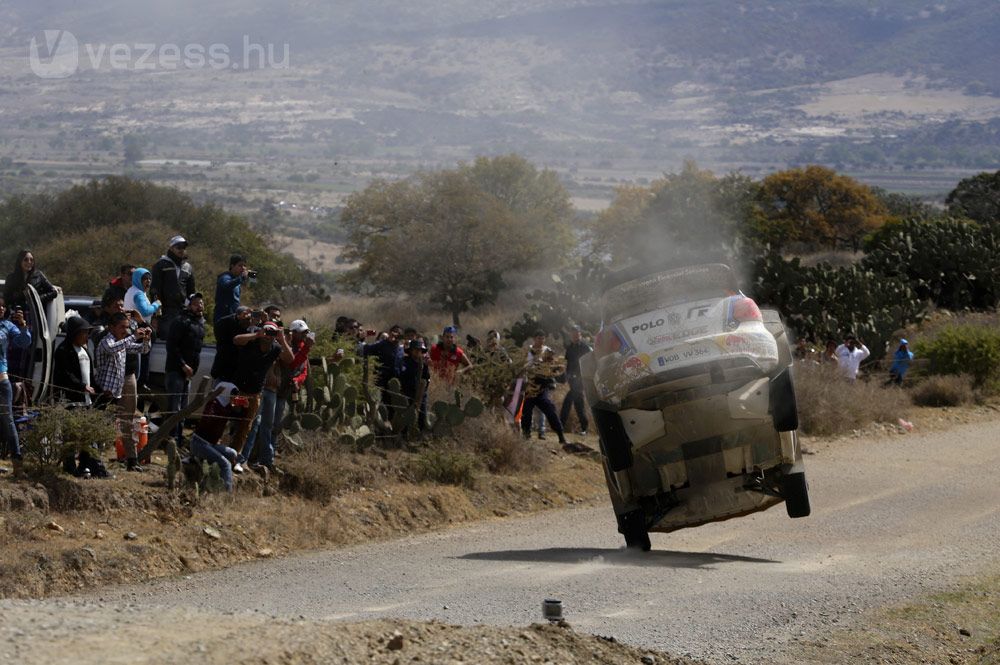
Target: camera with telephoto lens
{"points": [[252, 276]]}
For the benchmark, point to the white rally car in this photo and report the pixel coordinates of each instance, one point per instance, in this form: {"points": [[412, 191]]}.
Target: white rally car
{"points": [[691, 390]]}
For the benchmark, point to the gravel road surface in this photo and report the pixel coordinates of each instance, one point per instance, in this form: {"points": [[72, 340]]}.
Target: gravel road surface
{"points": [[891, 517]]}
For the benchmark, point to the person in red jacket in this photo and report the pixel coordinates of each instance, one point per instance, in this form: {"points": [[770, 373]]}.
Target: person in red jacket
{"points": [[448, 359], [212, 425]]}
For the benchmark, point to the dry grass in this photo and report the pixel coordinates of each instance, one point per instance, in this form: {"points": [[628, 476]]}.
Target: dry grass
{"points": [[947, 390], [829, 404], [380, 313], [321, 469]]}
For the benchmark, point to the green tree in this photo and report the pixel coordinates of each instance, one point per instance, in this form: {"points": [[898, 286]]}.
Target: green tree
{"points": [[438, 235], [537, 198], [686, 217], [977, 198], [81, 235], [814, 206], [452, 235]]}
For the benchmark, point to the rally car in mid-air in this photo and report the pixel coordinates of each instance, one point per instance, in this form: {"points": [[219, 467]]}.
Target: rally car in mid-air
{"points": [[690, 385]]}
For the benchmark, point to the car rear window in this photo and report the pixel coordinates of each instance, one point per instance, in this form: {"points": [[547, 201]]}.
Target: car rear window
{"points": [[666, 287]]}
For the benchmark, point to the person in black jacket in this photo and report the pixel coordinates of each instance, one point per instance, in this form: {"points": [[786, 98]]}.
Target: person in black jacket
{"points": [[173, 281], [185, 338], [226, 354], [26, 273], [73, 372], [415, 374], [576, 349], [23, 275]]}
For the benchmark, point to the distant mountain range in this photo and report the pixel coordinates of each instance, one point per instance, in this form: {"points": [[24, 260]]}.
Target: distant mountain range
{"points": [[573, 77]]}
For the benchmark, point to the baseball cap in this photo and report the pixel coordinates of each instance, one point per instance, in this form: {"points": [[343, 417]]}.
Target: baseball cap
{"points": [[177, 240], [298, 325], [270, 325], [196, 294], [450, 329], [903, 341]]}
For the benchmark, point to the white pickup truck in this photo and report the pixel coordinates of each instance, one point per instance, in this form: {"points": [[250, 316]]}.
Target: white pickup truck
{"points": [[46, 323]]}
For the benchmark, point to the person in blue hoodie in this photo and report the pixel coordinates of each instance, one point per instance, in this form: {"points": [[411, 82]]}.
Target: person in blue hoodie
{"points": [[15, 333], [900, 363], [137, 302], [136, 298]]}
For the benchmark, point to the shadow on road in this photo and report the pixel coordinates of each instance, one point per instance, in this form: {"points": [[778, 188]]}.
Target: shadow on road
{"points": [[621, 557]]}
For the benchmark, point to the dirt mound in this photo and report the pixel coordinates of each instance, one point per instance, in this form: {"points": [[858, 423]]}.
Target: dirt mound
{"points": [[65, 534], [103, 634]]}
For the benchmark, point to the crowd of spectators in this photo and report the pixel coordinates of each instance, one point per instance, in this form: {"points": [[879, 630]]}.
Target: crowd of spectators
{"points": [[260, 365], [849, 355]]}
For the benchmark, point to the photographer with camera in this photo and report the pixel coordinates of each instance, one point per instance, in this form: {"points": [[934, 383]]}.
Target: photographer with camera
{"points": [[112, 350], [258, 348], [229, 285]]}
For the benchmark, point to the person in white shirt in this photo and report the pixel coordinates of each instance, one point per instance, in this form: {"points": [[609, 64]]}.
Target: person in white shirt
{"points": [[850, 355]]}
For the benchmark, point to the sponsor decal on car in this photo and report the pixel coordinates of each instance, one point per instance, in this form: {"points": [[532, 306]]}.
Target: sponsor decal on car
{"points": [[665, 338], [748, 343]]}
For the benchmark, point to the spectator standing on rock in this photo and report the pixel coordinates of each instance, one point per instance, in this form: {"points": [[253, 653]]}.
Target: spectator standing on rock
{"points": [[448, 359], [258, 348], [13, 333], [900, 363], [173, 281], [72, 374], [228, 287], [110, 360], [541, 380], [185, 338], [575, 398], [850, 355]]}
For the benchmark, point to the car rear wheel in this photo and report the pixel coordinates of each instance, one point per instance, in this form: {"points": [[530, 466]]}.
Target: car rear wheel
{"points": [[784, 408], [632, 525], [796, 492]]}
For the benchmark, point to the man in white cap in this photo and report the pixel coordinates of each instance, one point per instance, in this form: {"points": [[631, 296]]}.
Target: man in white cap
{"points": [[173, 281], [281, 391]]}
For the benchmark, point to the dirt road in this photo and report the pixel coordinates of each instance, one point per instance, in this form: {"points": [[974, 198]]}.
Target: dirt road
{"points": [[891, 517]]}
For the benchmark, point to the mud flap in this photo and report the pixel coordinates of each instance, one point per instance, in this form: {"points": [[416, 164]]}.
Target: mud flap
{"points": [[784, 410], [617, 446]]}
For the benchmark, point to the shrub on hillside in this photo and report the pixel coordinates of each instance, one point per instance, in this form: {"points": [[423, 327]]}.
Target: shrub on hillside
{"points": [[829, 404], [445, 464], [59, 432], [950, 390], [965, 349]]}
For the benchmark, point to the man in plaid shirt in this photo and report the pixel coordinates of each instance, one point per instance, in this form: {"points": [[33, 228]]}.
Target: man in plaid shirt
{"points": [[110, 362]]}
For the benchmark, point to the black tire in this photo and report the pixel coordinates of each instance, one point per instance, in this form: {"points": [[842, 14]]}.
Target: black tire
{"points": [[784, 408], [632, 525], [796, 492], [617, 447], [638, 541]]}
